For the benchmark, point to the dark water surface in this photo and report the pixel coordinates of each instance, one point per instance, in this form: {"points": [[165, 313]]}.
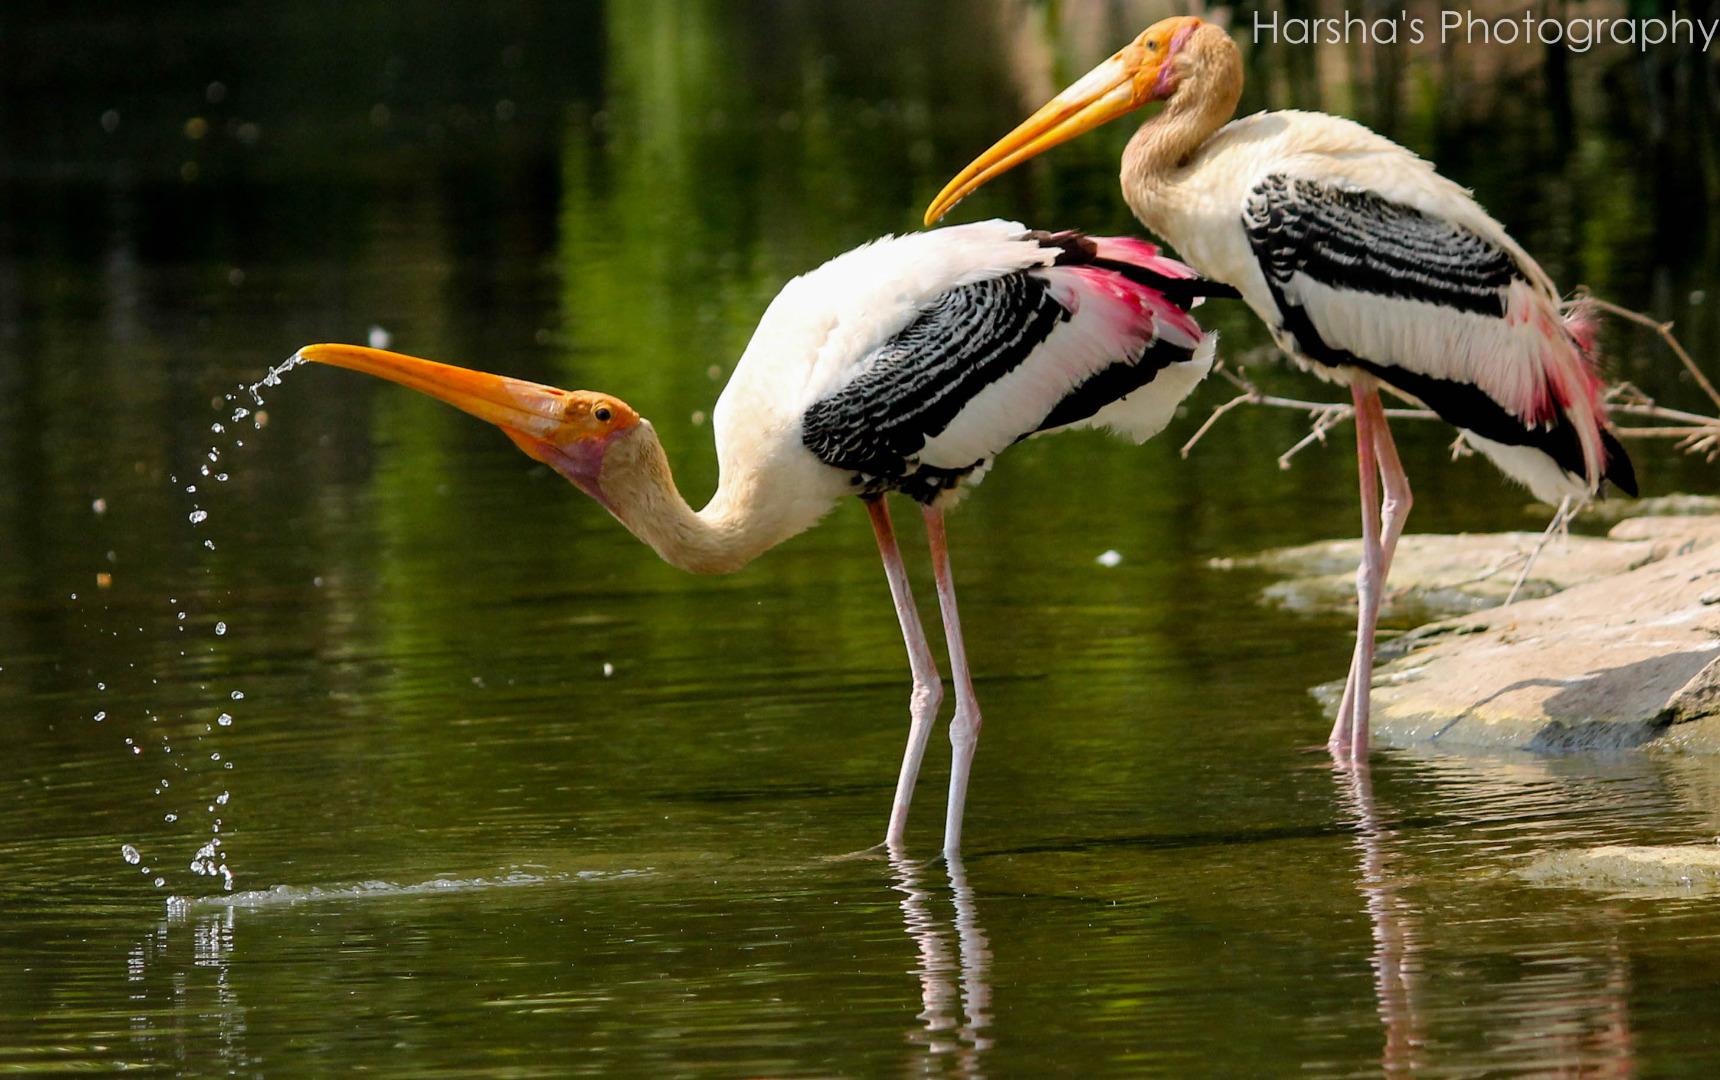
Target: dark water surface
{"points": [[504, 795]]}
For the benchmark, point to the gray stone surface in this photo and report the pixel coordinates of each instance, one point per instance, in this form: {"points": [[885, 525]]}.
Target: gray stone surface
{"points": [[1612, 664], [1435, 575], [1617, 509], [1616, 647], [1681, 869]]}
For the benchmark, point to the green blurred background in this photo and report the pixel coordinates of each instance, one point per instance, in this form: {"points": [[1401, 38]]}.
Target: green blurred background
{"points": [[606, 196]]}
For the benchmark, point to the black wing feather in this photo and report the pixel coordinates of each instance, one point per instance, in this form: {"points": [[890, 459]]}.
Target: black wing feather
{"points": [[1357, 240], [911, 387]]}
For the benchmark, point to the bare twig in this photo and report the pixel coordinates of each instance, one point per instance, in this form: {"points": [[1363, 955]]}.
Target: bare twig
{"points": [[1325, 420], [1560, 525], [1664, 329], [1213, 419], [1694, 433]]}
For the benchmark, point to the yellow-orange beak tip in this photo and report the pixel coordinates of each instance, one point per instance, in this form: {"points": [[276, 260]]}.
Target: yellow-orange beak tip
{"points": [[1110, 90], [515, 405]]}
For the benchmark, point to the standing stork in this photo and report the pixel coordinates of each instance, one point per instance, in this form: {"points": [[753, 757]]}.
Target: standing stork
{"points": [[1367, 266], [904, 365]]}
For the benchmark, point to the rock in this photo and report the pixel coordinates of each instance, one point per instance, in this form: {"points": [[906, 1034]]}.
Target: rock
{"points": [[1434, 575], [1668, 535], [1617, 509], [1693, 715], [1607, 665], [1678, 869]]}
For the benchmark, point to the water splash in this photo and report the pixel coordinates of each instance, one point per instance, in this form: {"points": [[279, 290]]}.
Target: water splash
{"points": [[273, 378], [145, 738]]}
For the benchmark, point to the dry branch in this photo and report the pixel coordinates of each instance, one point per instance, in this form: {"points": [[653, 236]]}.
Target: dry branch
{"points": [[1693, 432]]}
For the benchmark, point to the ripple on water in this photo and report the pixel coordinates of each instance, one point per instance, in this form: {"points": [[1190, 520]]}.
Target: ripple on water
{"points": [[289, 895]]}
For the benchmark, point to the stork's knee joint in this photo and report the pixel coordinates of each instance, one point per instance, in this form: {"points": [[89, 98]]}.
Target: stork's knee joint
{"points": [[927, 696]]}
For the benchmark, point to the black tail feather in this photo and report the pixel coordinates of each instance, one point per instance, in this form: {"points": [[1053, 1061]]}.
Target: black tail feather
{"points": [[1619, 469]]}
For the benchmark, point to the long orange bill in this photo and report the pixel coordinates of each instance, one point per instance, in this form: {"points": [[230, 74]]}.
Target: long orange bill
{"points": [[1103, 94], [514, 405]]}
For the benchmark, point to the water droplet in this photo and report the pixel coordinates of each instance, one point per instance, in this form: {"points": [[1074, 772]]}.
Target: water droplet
{"points": [[216, 756], [103, 716], [238, 695], [608, 669], [198, 517], [1109, 559], [99, 506], [240, 414], [217, 427], [210, 544], [170, 818], [380, 338], [224, 720], [130, 854], [220, 629], [159, 882], [221, 799]]}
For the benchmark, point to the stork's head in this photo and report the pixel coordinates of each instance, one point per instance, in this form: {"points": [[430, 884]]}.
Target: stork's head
{"points": [[1172, 59], [571, 431]]}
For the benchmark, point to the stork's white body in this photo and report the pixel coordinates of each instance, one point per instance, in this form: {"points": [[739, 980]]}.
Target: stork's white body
{"points": [[1366, 266], [905, 365], [825, 328], [1518, 360]]}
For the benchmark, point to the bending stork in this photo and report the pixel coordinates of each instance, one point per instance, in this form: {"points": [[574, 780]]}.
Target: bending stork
{"points": [[1368, 267], [905, 365]]}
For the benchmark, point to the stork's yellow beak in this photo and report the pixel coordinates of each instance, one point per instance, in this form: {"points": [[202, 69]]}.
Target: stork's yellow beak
{"points": [[536, 417], [1120, 85]]}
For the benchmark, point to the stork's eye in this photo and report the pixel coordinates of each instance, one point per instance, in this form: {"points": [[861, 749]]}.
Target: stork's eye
{"points": [[1152, 43], [602, 414]]}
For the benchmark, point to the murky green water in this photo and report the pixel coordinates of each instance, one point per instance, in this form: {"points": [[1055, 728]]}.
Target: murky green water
{"points": [[507, 796]]}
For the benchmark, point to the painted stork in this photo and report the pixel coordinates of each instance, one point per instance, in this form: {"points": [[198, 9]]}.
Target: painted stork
{"points": [[1368, 267], [904, 365]]}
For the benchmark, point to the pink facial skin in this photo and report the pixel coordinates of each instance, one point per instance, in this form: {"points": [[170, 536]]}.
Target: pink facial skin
{"points": [[1166, 83], [580, 461]]}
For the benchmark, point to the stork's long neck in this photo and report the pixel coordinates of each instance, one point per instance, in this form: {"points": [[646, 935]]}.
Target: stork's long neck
{"points": [[1154, 162], [639, 489]]}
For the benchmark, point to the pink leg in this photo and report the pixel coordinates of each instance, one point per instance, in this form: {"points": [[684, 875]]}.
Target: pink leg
{"points": [[1398, 500], [928, 690], [1353, 710], [1394, 509], [965, 725]]}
